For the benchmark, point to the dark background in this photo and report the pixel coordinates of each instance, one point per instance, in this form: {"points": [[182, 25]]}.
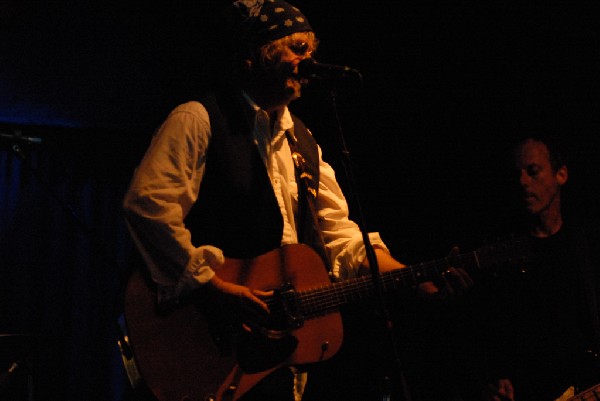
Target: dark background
{"points": [[446, 87]]}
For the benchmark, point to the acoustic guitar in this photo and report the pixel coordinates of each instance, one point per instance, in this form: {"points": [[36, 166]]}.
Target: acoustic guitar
{"points": [[203, 350]]}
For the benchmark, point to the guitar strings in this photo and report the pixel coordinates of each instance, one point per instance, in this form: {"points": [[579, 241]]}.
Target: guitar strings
{"points": [[320, 300]]}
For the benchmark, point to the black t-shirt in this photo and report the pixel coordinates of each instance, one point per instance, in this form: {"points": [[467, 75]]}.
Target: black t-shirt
{"points": [[539, 331]]}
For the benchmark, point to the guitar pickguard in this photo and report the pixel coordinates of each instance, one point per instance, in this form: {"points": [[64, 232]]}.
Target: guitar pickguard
{"points": [[256, 353]]}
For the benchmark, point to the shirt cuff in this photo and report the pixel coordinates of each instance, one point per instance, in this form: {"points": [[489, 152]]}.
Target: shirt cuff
{"points": [[347, 262], [203, 263], [199, 270]]}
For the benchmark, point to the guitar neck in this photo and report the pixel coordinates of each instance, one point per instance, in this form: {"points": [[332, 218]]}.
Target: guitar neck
{"points": [[316, 301], [589, 394]]}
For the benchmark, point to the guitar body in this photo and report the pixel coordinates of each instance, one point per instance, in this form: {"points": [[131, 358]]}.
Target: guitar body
{"points": [[200, 350]]}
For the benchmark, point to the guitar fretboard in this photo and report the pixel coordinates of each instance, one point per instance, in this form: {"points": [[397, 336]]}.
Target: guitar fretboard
{"points": [[319, 300]]}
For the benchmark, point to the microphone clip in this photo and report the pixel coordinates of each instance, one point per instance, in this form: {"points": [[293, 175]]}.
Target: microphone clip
{"points": [[17, 138]]}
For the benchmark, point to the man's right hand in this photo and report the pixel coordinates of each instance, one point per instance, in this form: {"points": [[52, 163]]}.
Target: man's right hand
{"points": [[239, 293]]}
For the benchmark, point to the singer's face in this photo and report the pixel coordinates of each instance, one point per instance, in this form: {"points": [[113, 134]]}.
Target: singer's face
{"points": [[275, 74]]}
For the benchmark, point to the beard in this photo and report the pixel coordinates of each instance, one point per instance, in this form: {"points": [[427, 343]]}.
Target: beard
{"points": [[293, 89]]}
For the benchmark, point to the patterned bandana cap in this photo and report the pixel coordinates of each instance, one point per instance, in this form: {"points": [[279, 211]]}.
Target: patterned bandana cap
{"points": [[263, 21]]}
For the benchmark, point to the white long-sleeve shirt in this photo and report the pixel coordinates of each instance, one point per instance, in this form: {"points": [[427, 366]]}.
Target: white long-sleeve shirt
{"points": [[166, 184]]}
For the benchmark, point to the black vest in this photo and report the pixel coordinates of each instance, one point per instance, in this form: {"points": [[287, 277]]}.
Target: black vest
{"points": [[236, 209]]}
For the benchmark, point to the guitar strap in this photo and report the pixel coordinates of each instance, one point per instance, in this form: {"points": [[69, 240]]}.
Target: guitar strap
{"points": [[307, 194]]}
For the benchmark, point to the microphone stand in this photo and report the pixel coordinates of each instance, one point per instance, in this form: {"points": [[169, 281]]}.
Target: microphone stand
{"points": [[373, 264]]}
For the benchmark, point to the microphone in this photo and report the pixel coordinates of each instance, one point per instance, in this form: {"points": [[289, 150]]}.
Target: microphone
{"points": [[18, 138], [312, 69]]}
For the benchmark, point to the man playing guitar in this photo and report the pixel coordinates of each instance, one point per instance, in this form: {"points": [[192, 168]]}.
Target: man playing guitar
{"points": [[233, 175]]}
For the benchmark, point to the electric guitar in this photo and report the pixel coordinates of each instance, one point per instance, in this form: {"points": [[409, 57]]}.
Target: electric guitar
{"points": [[590, 394], [203, 350]]}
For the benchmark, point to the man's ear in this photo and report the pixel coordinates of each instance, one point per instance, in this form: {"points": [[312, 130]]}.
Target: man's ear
{"points": [[562, 175]]}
